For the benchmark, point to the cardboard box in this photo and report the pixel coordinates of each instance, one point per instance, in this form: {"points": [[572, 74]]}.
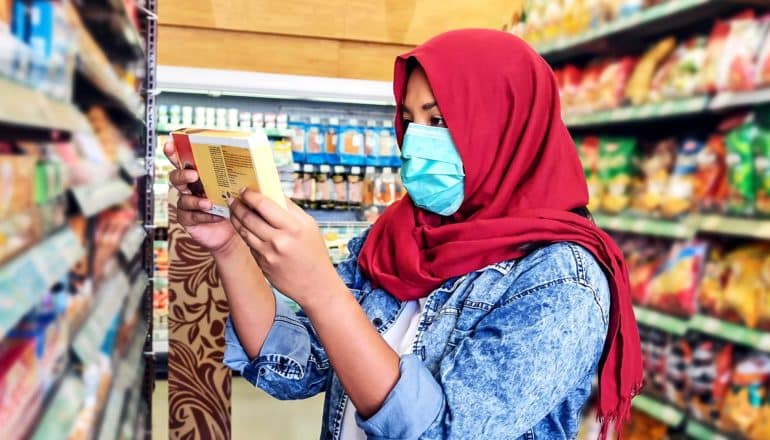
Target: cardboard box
{"points": [[228, 161]]}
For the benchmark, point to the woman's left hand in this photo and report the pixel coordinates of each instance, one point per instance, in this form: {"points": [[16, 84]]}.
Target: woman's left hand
{"points": [[287, 245]]}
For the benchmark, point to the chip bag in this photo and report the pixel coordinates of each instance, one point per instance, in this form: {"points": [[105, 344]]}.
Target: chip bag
{"points": [[680, 194], [656, 170], [637, 90], [715, 274], [615, 170], [740, 169], [744, 284], [764, 296], [612, 82], [714, 54], [588, 149], [742, 404], [674, 287], [709, 378], [737, 70], [711, 176], [761, 148]]}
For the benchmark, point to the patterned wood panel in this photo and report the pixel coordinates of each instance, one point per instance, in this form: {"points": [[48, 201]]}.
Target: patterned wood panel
{"points": [[199, 384]]}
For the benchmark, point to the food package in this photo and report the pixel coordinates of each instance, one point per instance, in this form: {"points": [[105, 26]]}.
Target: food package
{"points": [[588, 149], [643, 427], [762, 171], [674, 287], [711, 177], [679, 197], [764, 296], [615, 171], [681, 74], [715, 274], [644, 256], [612, 82], [709, 377], [714, 54], [638, 87], [744, 284], [587, 95], [656, 170], [571, 77], [743, 402], [678, 358], [763, 64], [740, 169], [655, 347], [760, 430], [737, 70]]}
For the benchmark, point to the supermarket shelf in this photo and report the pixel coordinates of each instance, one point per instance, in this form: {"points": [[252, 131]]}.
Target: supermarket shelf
{"points": [[59, 415], [114, 31], [134, 169], [686, 227], [756, 228], [660, 228], [726, 100], [699, 431], [95, 198], [135, 295], [731, 332], [87, 341], [656, 20], [40, 268], [646, 112], [39, 111], [667, 414], [273, 133], [704, 324], [105, 82], [132, 242], [661, 321]]}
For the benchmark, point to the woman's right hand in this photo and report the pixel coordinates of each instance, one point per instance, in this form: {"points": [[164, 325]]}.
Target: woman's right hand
{"points": [[210, 231]]}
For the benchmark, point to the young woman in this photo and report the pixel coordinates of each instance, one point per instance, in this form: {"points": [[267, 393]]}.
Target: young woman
{"points": [[478, 307]]}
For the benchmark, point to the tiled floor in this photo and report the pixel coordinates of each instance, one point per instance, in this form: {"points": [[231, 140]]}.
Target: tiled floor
{"points": [[255, 415]]}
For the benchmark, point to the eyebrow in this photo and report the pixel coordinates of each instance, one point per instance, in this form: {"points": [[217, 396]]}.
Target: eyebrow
{"points": [[427, 106]]}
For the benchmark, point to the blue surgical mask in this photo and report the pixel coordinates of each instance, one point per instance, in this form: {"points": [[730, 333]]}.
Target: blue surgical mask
{"points": [[432, 169]]}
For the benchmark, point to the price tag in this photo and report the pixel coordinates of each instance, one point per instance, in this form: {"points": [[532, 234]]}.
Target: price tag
{"points": [[763, 231]]}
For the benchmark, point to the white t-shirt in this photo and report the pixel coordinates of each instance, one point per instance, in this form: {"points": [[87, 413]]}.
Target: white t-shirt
{"points": [[401, 338]]}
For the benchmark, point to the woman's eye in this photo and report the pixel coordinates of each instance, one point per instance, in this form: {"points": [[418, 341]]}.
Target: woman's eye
{"points": [[437, 121]]}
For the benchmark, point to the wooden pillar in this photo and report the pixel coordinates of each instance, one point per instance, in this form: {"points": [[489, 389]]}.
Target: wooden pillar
{"points": [[198, 382]]}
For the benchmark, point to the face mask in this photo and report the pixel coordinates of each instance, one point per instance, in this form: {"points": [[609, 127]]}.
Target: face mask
{"points": [[432, 170]]}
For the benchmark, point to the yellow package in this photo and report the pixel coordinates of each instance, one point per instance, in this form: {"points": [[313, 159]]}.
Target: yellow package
{"points": [[744, 285], [764, 297], [638, 86], [711, 297], [760, 430]]}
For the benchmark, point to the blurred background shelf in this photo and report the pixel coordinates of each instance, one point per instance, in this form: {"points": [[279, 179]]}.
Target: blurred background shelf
{"points": [[39, 112], [669, 324], [95, 198], [667, 414], [661, 228]]}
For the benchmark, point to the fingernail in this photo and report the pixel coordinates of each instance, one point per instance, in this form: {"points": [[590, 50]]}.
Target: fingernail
{"points": [[229, 201], [205, 204], [242, 190]]}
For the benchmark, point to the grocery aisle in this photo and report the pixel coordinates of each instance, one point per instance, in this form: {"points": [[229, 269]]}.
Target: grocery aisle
{"points": [[74, 305]]}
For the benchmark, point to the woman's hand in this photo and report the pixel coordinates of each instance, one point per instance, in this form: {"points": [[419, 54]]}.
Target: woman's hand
{"points": [[287, 246], [210, 231]]}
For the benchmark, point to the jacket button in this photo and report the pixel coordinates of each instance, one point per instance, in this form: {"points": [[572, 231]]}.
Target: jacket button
{"points": [[377, 322]]}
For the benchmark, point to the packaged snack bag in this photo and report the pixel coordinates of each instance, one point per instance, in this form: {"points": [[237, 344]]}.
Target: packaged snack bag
{"points": [[372, 143], [737, 70], [760, 430], [674, 287], [656, 170], [742, 404], [763, 64], [351, 146], [740, 169], [655, 348], [612, 82], [764, 296], [588, 149], [298, 129], [615, 170], [711, 176], [570, 86], [762, 169], [679, 197], [709, 378], [643, 256], [677, 385], [744, 285], [714, 54], [715, 274], [684, 76], [587, 97], [638, 87]]}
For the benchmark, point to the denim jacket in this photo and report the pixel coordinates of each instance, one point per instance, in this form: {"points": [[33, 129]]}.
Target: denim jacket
{"points": [[506, 352]]}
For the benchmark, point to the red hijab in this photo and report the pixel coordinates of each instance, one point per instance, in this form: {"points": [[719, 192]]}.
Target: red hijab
{"points": [[500, 101]]}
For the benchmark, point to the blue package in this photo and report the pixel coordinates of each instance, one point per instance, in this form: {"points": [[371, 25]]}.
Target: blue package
{"points": [[372, 144], [332, 130], [390, 156], [41, 27], [298, 129], [351, 144], [315, 140], [20, 20]]}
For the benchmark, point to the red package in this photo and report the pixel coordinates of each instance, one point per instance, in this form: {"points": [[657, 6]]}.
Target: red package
{"points": [[587, 94], [571, 79], [711, 185], [714, 55], [612, 82], [737, 70], [674, 288]]}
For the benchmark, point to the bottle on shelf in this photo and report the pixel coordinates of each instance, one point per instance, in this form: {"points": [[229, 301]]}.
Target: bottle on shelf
{"points": [[308, 187], [324, 188], [340, 188], [355, 188]]}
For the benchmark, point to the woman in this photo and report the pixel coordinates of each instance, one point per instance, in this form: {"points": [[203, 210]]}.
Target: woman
{"points": [[478, 307]]}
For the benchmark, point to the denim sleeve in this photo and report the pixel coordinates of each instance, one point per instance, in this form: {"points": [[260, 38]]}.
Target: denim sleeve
{"points": [[509, 372], [292, 363]]}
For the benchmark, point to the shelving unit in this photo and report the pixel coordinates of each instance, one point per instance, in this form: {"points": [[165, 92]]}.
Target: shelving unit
{"points": [[65, 254], [687, 227], [667, 414]]}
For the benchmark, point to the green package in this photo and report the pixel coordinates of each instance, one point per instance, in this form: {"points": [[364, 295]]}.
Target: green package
{"points": [[740, 169], [616, 160], [762, 170]]}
